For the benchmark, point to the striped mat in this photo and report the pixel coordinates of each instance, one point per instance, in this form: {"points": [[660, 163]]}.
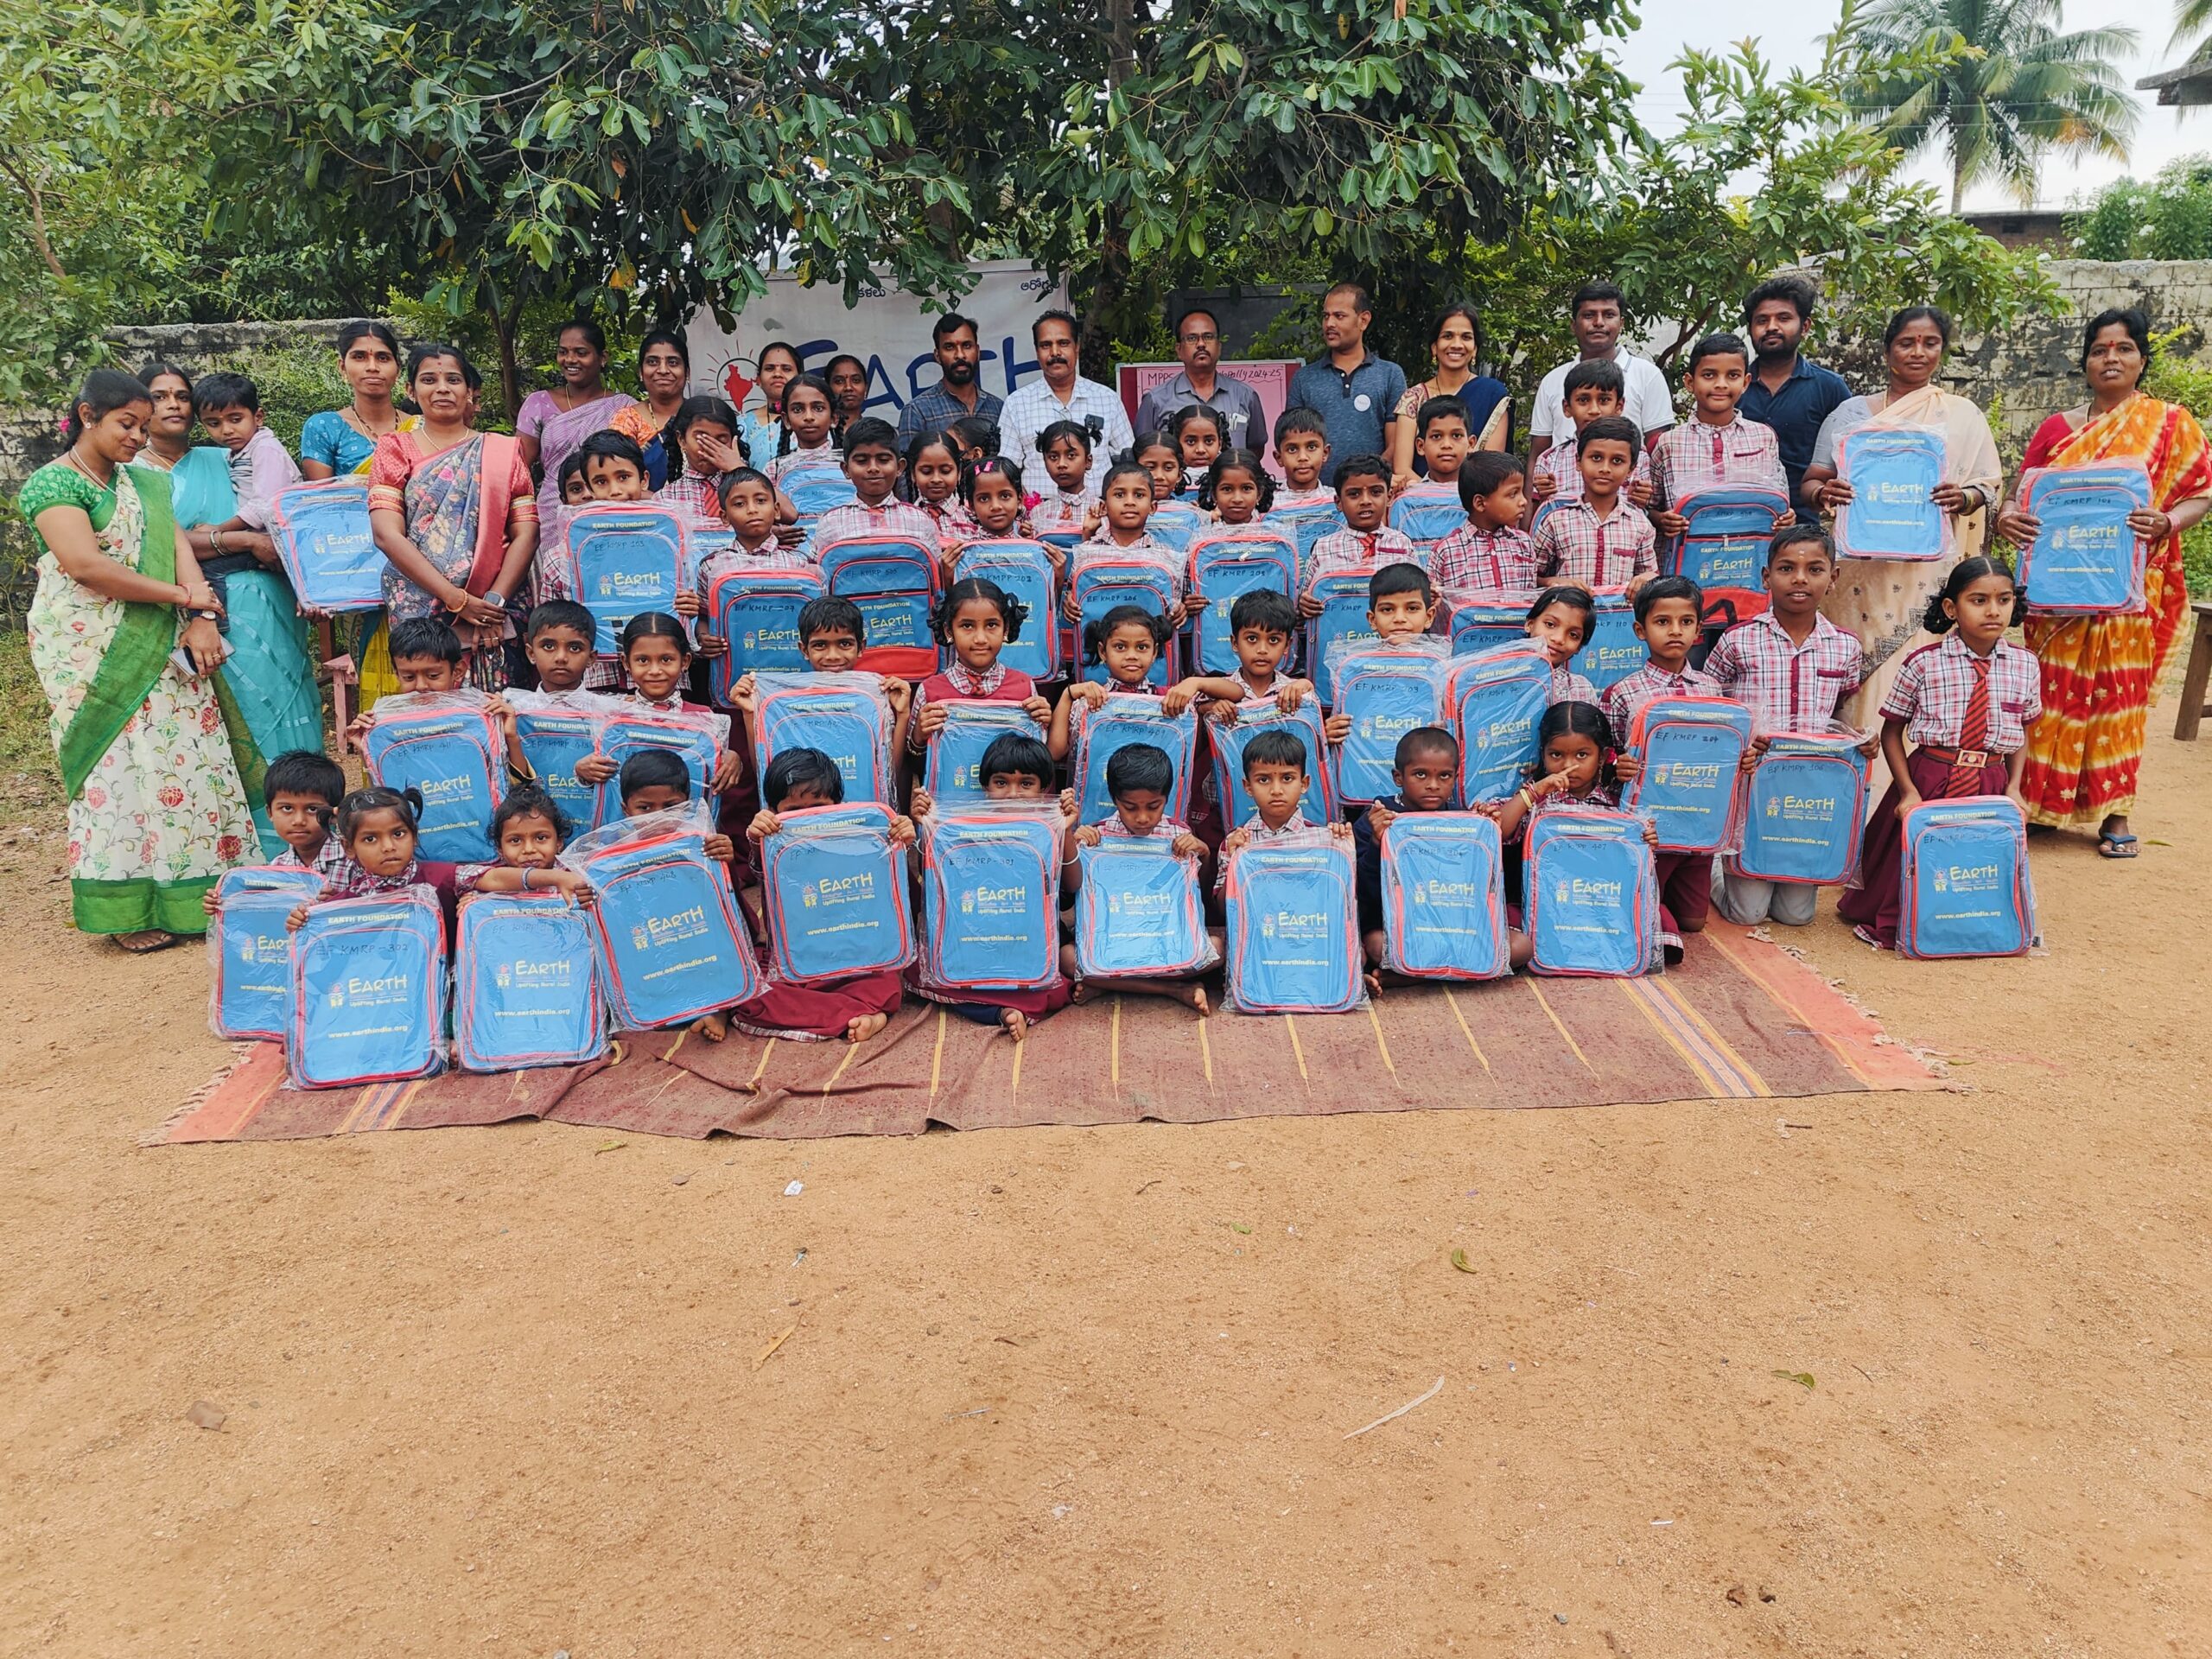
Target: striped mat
{"points": [[1741, 1019]]}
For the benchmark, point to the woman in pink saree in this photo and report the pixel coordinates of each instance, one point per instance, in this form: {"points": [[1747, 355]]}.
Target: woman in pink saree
{"points": [[551, 423]]}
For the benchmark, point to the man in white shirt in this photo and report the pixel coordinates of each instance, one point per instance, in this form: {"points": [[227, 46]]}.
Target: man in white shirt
{"points": [[1646, 400], [1062, 395]]}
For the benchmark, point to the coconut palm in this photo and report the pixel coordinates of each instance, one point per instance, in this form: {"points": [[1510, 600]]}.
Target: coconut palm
{"points": [[1992, 82]]}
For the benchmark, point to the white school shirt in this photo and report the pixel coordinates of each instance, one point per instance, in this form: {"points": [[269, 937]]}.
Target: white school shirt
{"points": [[1647, 401]]}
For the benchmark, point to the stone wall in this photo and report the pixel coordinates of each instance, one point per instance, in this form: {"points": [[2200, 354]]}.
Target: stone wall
{"points": [[2035, 369]]}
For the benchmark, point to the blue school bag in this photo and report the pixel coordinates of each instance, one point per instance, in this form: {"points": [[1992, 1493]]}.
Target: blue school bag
{"points": [[1175, 522], [756, 614], [2085, 561], [1225, 566], [1229, 743], [525, 986], [1892, 473], [627, 735], [841, 715], [1613, 651], [368, 991], [1493, 704], [1965, 886], [953, 774], [1444, 897], [1387, 693], [1102, 584], [1590, 893], [1481, 625], [834, 891], [250, 951], [1693, 754], [1124, 718], [1427, 514], [1138, 911], [665, 928], [1294, 928], [893, 580], [1803, 810], [1024, 571], [1724, 549], [812, 491], [625, 559], [447, 747], [1341, 626], [991, 901], [329, 552], [553, 741], [1307, 525]]}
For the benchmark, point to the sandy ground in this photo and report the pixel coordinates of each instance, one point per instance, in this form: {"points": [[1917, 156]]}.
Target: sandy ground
{"points": [[1079, 1392]]}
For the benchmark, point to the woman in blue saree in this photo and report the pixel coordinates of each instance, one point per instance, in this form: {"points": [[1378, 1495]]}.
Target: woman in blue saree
{"points": [[266, 687]]}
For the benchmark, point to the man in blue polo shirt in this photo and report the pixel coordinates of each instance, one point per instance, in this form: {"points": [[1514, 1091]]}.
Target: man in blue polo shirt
{"points": [[1354, 392], [1788, 393]]}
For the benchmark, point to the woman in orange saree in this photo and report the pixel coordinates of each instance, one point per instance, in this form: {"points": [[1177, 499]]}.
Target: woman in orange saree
{"points": [[2099, 672]]}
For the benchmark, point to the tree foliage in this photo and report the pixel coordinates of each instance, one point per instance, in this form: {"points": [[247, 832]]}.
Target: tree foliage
{"points": [[2169, 218]]}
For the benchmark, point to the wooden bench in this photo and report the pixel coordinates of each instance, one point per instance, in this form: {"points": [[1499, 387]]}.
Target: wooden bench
{"points": [[2193, 706]]}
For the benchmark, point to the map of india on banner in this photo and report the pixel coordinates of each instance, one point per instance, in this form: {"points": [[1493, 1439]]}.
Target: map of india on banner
{"points": [[886, 328]]}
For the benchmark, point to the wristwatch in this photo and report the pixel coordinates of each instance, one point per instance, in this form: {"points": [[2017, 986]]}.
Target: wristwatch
{"points": [[209, 616], [495, 597]]}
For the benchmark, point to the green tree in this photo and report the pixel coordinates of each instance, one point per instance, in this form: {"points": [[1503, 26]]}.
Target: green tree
{"points": [[2015, 92], [2169, 218]]}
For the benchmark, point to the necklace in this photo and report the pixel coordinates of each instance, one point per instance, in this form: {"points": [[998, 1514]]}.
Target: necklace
{"points": [[70, 455], [362, 425]]}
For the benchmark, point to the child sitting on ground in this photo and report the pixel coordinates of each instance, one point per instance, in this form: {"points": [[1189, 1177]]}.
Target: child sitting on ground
{"points": [[1598, 540], [1366, 543], [301, 790], [1139, 777], [529, 830], [1425, 769], [1491, 554], [377, 827]]}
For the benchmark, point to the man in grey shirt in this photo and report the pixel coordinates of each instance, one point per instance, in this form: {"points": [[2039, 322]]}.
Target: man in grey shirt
{"points": [[1355, 392], [1198, 348]]}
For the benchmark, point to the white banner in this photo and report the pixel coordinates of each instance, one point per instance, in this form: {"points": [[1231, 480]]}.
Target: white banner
{"points": [[887, 329]]}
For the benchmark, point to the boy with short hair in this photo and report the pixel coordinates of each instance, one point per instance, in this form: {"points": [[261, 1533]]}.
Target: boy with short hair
{"points": [[1401, 606], [427, 659], [559, 639], [1426, 771], [1275, 777], [1490, 553], [1441, 438], [1071, 506], [1139, 777], [872, 464], [1366, 542], [615, 468], [1795, 668], [229, 407], [1302, 450], [1595, 389], [299, 790], [1263, 628], [1716, 448], [1600, 541]]}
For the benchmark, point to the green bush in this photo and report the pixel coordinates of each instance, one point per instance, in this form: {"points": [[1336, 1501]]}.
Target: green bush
{"points": [[2186, 381]]}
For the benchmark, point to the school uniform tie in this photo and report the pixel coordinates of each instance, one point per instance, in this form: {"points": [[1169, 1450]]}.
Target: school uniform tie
{"points": [[1974, 737]]}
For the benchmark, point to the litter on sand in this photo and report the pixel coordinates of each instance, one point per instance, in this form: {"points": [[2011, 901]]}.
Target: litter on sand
{"points": [[204, 1414], [761, 1358], [1387, 1416], [795, 1189], [1460, 1260]]}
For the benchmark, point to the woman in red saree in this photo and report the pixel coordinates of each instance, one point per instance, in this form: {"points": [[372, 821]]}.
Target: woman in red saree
{"points": [[2098, 671]]}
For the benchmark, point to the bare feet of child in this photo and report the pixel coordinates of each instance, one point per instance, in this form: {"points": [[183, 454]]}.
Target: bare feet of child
{"points": [[1016, 1023], [1374, 982], [712, 1027], [1079, 992], [865, 1027], [1196, 999]]}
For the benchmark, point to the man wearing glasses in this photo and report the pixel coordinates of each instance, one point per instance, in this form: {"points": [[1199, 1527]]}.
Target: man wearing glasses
{"points": [[1198, 348], [1355, 392]]}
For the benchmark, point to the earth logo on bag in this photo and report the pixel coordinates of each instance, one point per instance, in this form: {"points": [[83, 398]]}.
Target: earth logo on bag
{"points": [[1564, 892], [806, 898], [338, 995], [1112, 903], [968, 902], [639, 939], [1267, 924], [1773, 808], [1943, 883], [247, 947]]}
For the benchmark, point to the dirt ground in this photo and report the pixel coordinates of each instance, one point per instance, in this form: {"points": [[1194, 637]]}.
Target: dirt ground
{"points": [[1086, 1392]]}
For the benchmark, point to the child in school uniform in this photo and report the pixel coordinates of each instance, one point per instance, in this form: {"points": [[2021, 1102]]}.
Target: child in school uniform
{"points": [[1489, 554], [1138, 779], [1302, 449], [1199, 435], [871, 461], [427, 659], [1275, 778], [1966, 704], [973, 622], [990, 490], [1367, 542], [379, 829], [1127, 495], [1071, 506], [1237, 490], [1127, 640], [1441, 440], [1594, 390], [1425, 771], [749, 507], [1559, 622], [808, 435], [1599, 540], [1015, 768], [1401, 606], [704, 435], [1716, 448], [529, 830], [301, 788], [933, 482], [1162, 462], [1263, 629], [1793, 668]]}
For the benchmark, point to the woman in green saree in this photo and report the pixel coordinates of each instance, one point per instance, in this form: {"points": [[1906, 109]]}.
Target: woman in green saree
{"points": [[266, 687], [157, 811]]}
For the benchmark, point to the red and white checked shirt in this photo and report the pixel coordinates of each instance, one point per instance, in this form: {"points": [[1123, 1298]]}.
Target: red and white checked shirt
{"points": [[693, 496], [1787, 687], [1358, 550], [892, 517], [1472, 560], [1165, 830], [1295, 824], [771, 554], [1625, 696], [1567, 686], [1057, 512], [1933, 687], [1290, 500], [1608, 552], [1561, 464], [1695, 456], [1147, 549]]}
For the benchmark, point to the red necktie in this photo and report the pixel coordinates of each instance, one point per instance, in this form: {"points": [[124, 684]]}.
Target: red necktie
{"points": [[1368, 543], [1974, 737]]}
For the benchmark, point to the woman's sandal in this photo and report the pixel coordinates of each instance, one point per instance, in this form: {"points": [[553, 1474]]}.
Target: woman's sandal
{"points": [[145, 943], [2117, 847]]}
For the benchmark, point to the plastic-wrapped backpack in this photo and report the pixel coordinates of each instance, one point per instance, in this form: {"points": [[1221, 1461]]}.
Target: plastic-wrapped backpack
{"points": [[250, 951], [368, 991], [1893, 473], [1965, 890], [834, 891], [1804, 807], [1292, 937], [1139, 911], [1128, 717], [526, 989], [1590, 893], [1444, 897], [671, 946], [1690, 781], [446, 744], [991, 899]]}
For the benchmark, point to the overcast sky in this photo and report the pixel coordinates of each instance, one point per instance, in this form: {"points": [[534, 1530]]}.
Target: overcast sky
{"points": [[1790, 36]]}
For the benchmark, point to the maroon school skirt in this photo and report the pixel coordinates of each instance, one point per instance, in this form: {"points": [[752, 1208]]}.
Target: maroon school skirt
{"points": [[1878, 900]]}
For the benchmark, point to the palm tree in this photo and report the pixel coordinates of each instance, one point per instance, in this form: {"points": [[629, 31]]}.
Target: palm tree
{"points": [[2192, 27], [1993, 81]]}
